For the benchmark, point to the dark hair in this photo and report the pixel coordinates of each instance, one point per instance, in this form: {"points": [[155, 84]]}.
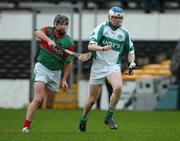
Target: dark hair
{"points": [[60, 19]]}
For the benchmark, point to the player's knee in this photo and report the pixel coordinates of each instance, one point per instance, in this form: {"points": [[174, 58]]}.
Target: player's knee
{"points": [[92, 101], [117, 89], [37, 101]]}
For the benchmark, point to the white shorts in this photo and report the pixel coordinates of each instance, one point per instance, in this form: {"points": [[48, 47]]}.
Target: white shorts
{"points": [[100, 71], [49, 77]]}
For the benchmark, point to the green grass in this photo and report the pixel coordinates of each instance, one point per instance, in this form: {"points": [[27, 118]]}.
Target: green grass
{"points": [[62, 125]]}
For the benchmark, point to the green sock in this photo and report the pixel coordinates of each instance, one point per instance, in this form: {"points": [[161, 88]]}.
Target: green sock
{"points": [[110, 112], [83, 119]]}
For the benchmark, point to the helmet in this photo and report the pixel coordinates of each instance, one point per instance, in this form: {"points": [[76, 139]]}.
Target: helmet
{"points": [[60, 19], [116, 11]]}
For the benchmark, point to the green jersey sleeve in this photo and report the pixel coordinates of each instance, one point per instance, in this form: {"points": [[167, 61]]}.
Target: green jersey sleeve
{"points": [[97, 34]]}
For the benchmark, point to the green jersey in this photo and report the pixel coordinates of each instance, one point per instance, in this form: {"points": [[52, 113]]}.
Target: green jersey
{"points": [[51, 58], [119, 39]]}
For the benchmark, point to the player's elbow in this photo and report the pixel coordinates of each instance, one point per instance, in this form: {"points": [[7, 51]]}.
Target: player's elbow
{"points": [[91, 47], [36, 33]]}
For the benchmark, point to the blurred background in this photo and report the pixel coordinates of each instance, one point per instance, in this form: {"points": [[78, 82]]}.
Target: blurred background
{"points": [[154, 26]]}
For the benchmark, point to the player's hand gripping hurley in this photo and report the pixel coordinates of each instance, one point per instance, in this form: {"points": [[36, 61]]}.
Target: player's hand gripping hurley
{"points": [[131, 67], [83, 57], [130, 70]]}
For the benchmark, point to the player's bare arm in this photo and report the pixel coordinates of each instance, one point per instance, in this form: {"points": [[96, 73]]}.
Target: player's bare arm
{"points": [[42, 36], [67, 70], [132, 64], [131, 57], [94, 47]]}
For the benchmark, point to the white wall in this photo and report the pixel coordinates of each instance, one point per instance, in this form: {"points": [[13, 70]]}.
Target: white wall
{"points": [[155, 26], [14, 93]]}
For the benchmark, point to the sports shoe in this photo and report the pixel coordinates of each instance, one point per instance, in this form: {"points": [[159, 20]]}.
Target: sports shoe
{"points": [[25, 130], [82, 125], [111, 122]]}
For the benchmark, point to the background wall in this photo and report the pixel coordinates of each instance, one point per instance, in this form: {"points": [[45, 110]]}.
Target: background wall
{"points": [[155, 26], [14, 93]]}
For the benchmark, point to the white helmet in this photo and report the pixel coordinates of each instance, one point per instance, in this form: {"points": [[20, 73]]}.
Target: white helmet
{"points": [[116, 11]]}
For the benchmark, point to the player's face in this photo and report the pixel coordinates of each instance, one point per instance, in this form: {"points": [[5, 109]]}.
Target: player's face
{"points": [[116, 20], [62, 27]]}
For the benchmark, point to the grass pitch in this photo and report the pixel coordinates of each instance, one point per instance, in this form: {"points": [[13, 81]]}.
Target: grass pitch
{"points": [[62, 125]]}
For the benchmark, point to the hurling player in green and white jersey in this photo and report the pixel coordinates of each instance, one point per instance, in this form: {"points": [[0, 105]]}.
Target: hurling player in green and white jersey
{"points": [[108, 41], [50, 62]]}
